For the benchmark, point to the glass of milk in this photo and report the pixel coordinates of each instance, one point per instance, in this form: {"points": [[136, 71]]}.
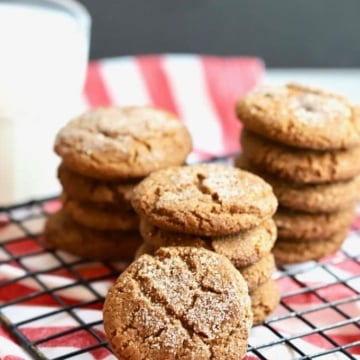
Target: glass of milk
{"points": [[44, 46]]}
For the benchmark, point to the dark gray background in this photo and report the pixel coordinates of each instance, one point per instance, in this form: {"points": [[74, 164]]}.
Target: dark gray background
{"points": [[285, 33]]}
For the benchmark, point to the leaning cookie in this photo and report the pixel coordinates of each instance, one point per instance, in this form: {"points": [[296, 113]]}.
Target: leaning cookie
{"points": [[312, 198], [122, 142], [301, 116], [180, 303], [62, 233], [242, 249], [298, 165], [205, 199]]}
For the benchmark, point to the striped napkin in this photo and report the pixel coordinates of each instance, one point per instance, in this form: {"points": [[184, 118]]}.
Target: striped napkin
{"points": [[202, 91]]}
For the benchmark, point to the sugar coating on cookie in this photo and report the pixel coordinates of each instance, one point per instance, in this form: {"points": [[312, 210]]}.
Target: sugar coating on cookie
{"points": [[301, 116], [254, 274], [122, 142], [205, 199], [301, 166], [181, 303]]}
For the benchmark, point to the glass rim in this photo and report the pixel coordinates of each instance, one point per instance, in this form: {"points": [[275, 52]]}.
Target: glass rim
{"points": [[72, 7]]}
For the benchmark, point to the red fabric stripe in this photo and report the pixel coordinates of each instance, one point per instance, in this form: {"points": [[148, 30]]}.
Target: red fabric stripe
{"points": [[346, 340], [78, 339], [350, 266], [23, 247], [228, 79], [95, 87], [16, 291], [157, 82]]}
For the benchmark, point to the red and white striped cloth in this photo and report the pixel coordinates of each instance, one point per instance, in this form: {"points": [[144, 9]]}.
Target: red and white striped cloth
{"points": [[202, 91]]}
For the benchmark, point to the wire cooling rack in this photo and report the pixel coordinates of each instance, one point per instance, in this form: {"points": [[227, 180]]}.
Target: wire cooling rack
{"points": [[51, 301]]}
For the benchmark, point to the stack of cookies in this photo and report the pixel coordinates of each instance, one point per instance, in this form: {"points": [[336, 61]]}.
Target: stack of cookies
{"points": [[305, 142], [105, 153], [219, 208]]}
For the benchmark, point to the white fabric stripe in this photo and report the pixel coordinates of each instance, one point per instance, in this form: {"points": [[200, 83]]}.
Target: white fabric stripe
{"points": [[187, 82], [54, 352], [124, 81], [19, 313], [84, 103], [8, 348], [79, 292]]}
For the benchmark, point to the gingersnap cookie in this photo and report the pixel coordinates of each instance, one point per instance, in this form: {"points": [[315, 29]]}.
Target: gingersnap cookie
{"points": [[264, 300], [254, 274], [204, 199], [242, 249], [301, 116], [85, 189], [258, 273], [288, 251], [100, 218], [61, 232], [122, 142], [181, 303], [303, 226], [298, 165], [311, 198]]}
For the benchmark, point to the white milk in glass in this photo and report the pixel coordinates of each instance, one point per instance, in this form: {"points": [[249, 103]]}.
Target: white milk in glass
{"points": [[43, 62]]}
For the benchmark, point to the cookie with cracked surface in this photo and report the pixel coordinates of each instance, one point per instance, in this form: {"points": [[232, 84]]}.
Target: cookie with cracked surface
{"points": [[254, 274], [299, 165], [303, 226], [264, 301], [122, 142], [100, 218], [62, 233], [242, 249], [103, 193], [287, 251], [312, 198], [180, 303], [205, 199], [301, 116]]}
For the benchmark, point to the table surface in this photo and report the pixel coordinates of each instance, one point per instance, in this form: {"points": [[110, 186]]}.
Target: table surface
{"points": [[343, 81]]}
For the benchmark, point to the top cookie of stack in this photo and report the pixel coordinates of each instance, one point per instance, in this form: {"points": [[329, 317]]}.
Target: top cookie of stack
{"points": [[305, 142], [105, 153]]}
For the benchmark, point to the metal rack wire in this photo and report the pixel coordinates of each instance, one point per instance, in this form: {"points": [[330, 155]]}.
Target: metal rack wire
{"points": [[318, 318]]}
